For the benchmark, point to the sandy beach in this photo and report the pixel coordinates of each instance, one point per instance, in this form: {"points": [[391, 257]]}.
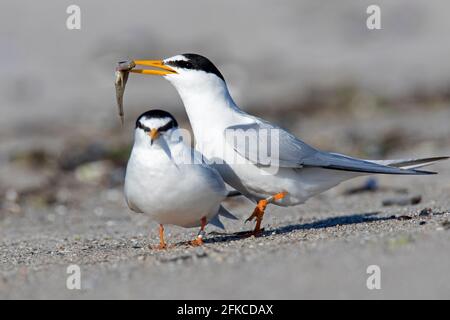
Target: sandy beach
{"points": [[313, 69]]}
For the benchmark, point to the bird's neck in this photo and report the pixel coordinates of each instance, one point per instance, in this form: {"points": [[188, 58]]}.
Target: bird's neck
{"points": [[210, 110]]}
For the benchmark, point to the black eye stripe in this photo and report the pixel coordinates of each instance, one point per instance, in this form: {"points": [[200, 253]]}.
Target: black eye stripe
{"points": [[162, 115], [171, 124], [196, 62], [181, 64], [141, 126]]}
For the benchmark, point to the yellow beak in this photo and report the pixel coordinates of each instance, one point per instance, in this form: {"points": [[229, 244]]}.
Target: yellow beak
{"points": [[154, 134], [164, 70]]}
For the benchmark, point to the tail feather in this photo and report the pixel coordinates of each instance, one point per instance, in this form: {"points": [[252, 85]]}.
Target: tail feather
{"points": [[335, 161], [409, 164], [226, 214], [222, 213], [217, 223]]}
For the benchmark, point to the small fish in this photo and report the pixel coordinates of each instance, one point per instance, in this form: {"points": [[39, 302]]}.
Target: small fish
{"points": [[122, 71]]}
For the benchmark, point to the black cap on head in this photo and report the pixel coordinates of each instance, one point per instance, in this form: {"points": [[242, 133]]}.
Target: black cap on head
{"points": [[157, 114], [196, 62]]}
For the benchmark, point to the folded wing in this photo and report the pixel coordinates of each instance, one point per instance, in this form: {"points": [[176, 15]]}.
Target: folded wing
{"points": [[267, 145]]}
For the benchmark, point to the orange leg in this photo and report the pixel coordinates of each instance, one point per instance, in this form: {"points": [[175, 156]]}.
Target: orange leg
{"points": [[258, 213], [162, 243], [199, 240]]}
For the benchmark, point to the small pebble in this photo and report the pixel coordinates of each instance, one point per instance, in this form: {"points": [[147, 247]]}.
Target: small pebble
{"points": [[446, 225], [402, 201], [426, 212]]}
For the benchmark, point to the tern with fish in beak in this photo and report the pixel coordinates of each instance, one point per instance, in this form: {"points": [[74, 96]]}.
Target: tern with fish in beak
{"points": [[168, 181], [297, 172]]}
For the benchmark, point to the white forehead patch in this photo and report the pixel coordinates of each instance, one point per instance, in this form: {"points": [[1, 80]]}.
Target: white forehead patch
{"points": [[178, 57], [155, 123]]}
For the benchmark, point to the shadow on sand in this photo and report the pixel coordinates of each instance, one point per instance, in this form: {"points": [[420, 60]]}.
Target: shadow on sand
{"points": [[320, 224]]}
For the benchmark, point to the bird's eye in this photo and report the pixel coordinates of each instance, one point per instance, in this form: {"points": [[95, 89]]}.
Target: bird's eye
{"points": [[141, 126], [182, 64]]}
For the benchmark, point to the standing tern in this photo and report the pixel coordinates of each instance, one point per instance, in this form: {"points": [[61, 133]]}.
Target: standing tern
{"points": [[168, 181], [301, 171]]}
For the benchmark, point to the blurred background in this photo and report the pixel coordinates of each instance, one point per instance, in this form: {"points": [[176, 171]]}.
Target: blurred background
{"points": [[312, 67]]}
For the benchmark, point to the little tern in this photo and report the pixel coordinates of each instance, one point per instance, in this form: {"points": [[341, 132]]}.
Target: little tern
{"points": [[302, 171], [168, 181]]}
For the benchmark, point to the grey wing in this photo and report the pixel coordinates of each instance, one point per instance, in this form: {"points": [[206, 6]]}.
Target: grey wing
{"points": [[212, 176], [265, 144]]}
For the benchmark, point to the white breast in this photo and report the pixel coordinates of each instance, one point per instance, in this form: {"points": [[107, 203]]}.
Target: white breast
{"points": [[179, 194]]}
